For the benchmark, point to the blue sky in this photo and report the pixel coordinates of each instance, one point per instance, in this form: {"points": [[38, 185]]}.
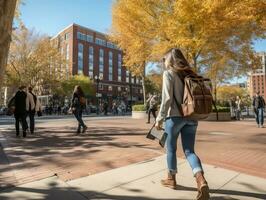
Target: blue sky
{"points": [[51, 16]]}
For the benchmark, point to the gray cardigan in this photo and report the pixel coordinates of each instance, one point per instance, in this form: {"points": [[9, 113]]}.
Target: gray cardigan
{"points": [[172, 85]]}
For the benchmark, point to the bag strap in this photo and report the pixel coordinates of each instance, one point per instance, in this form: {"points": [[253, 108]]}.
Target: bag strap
{"points": [[177, 104]]}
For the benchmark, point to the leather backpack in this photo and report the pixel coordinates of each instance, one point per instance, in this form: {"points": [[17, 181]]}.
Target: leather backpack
{"points": [[197, 100]]}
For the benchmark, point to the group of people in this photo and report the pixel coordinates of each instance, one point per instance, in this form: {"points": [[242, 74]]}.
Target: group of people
{"points": [[25, 104], [119, 108], [176, 68], [258, 104]]}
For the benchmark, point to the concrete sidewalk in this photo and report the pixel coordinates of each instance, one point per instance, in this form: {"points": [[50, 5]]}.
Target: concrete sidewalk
{"points": [[141, 181]]}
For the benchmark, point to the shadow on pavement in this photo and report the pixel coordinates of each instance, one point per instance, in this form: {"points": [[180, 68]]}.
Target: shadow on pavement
{"points": [[61, 146], [228, 192], [55, 192]]}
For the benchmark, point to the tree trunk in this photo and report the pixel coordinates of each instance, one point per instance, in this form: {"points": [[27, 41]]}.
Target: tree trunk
{"points": [[215, 99], [7, 11], [143, 83]]}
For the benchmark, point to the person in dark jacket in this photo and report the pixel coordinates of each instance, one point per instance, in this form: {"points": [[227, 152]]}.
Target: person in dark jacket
{"points": [[77, 106], [20, 113], [259, 106]]}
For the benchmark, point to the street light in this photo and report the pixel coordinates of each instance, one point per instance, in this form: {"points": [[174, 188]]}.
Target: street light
{"points": [[129, 91], [98, 79]]}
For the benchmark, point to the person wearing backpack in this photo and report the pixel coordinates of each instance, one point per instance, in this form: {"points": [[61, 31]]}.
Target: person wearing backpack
{"points": [[178, 121], [78, 103], [259, 106]]}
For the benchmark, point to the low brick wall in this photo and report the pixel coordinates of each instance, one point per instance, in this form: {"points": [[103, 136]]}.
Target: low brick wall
{"points": [[222, 116], [139, 115]]}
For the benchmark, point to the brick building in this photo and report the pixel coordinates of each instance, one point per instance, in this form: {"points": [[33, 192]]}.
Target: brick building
{"points": [[257, 78], [90, 53]]}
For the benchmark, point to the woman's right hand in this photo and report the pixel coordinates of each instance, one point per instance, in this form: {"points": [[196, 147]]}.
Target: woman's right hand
{"points": [[158, 126]]}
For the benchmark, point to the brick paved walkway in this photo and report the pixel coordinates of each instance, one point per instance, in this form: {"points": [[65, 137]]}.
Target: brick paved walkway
{"points": [[115, 142]]}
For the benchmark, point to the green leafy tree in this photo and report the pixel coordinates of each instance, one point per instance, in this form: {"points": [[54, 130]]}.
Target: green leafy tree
{"points": [[67, 86]]}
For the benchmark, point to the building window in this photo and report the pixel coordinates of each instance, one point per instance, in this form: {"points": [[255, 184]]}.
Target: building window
{"points": [[80, 58], [119, 66], [140, 91], [110, 88], [110, 66], [132, 80], [67, 51], [66, 36], [127, 76], [119, 89], [100, 86], [137, 80], [100, 42], [110, 45], [91, 61], [89, 38], [81, 36], [101, 62]]}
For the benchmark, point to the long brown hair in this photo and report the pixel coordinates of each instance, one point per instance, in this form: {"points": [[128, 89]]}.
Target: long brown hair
{"points": [[176, 61], [78, 90]]}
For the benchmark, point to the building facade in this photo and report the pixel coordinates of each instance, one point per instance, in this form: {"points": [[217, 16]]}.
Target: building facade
{"points": [[89, 52], [257, 78]]}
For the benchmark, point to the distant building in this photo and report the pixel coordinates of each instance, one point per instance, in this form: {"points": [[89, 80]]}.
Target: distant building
{"points": [[90, 53], [257, 78]]}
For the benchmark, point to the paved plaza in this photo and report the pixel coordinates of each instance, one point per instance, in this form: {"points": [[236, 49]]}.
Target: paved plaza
{"points": [[56, 161]]}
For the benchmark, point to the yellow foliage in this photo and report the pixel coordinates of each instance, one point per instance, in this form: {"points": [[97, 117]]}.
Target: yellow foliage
{"points": [[204, 29]]}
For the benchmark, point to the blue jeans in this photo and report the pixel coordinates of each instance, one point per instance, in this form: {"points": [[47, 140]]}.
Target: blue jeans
{"points": [[78, 115], [259, 116], [187, 128]]}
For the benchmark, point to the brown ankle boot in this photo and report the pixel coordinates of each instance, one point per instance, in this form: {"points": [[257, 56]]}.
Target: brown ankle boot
{"points": [[203, 188], [170, 181]]}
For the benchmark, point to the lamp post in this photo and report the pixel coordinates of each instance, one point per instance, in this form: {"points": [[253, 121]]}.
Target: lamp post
{"points": [[97, 79], [129, 92]]}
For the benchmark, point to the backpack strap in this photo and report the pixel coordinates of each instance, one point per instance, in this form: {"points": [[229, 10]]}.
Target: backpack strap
{"points": [[177, 104]]}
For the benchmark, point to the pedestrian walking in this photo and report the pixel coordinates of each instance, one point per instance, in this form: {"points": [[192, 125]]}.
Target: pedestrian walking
{"points": [[20, 113], [238, 108], [105, 107], [259, 106], [176, 69], [152, 102], [33, 105], [114, 108], [77, 106]]}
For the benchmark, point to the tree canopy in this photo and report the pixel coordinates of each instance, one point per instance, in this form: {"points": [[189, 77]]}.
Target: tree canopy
{"points": [[34, 61], [67, 86], [215, 35]]}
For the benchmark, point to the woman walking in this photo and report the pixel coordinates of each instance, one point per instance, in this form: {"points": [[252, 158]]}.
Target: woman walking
{"points": [[176, 68], [78, 103]]}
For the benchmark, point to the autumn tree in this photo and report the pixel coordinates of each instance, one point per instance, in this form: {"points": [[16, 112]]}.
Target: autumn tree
{"points": [[7, 11], [34, 61], [226, 93], [204, 30], [127, 34], [153, 82], [67, 86]]}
